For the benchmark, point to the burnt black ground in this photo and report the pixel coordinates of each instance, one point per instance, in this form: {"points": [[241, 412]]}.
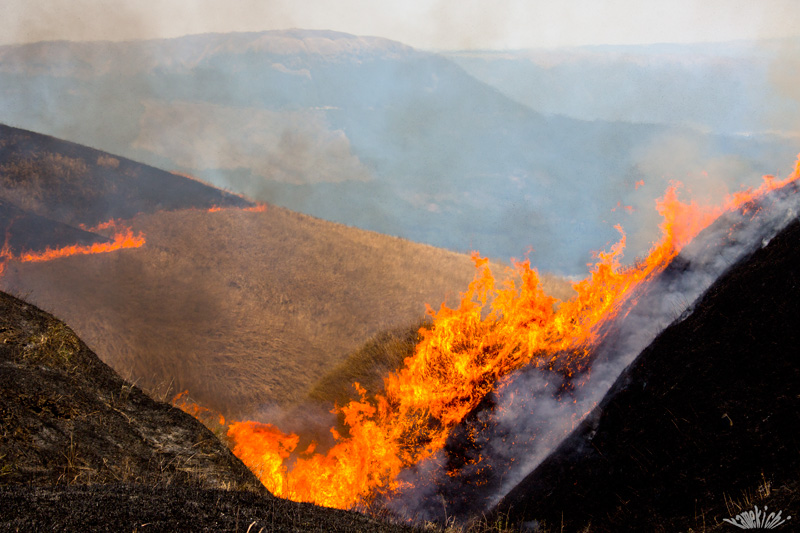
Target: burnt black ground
{"points": [[25, 231], [74, 184], [707, 414], [127, 508], [83, 450]]}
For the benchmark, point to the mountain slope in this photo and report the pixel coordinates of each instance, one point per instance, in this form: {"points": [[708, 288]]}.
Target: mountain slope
{"points": [[700, 427], [77, 185], [242, 308]]}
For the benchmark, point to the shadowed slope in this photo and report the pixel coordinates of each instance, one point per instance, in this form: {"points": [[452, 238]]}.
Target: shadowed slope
{"points": [[74, 184], [25, 231], [706, 413]]}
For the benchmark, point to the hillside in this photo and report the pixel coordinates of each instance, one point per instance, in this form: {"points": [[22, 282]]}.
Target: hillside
{"points": [[26, 231], [68, 418], [81, 449], [77, 185], [701, 427], [240, 308], [378, 135]]}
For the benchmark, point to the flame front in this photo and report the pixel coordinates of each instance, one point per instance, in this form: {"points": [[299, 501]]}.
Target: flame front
{"points": [[496, 329], [123, 238], [120, 240]]}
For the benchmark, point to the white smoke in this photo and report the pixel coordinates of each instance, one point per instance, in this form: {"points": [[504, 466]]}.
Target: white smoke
{"points": [[529, 419]]}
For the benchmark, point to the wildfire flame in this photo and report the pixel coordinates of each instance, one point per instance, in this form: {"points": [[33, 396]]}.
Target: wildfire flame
{"points": [[496, 329], [258, 208], [122, 238]]}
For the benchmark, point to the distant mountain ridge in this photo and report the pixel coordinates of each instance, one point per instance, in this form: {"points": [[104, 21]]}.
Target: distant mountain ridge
{"points": [[188, 52], [733, 87], [374, 134]]}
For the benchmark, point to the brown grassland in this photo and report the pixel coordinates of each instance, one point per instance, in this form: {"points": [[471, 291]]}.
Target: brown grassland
{"points": [[245, 309]]}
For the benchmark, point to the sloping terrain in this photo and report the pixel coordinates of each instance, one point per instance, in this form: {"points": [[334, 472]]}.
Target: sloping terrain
{"points": [[240, 308], [26, 231], [701, 427], [75, 185], [66, 417], [83, 450]]}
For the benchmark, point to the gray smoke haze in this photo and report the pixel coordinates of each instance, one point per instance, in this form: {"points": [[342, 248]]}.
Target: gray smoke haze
{"points": [[529, 419], [296, 147], [374, 134], [784, 77]]}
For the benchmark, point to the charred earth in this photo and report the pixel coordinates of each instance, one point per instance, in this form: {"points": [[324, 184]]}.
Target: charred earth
{"points": [[81, 449], [703, 424], [74, 184]]}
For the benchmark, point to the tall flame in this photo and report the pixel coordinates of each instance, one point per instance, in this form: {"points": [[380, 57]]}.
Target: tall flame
{"points": [[496, 329]]}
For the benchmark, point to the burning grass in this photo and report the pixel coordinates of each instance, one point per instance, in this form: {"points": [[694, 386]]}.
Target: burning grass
{"points": [[496, 329]]}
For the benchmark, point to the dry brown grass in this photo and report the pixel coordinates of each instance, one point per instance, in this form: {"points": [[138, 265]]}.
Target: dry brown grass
{"points": [[386, 352], [367, 366], [241, 308]]}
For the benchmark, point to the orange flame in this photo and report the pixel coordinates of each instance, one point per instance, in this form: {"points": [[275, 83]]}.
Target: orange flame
{"points": [[258, 208], [121, 239], [494, 331]]}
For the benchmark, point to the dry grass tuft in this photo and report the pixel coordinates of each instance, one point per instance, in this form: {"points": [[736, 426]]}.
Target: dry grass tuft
{"points": [[368, 365]]}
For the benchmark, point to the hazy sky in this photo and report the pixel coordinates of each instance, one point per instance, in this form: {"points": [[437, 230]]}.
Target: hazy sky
{"points": [[430, 24]]}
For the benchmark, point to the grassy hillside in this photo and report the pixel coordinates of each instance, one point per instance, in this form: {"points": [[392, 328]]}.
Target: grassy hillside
{"points": [[241, 308], [67, 418]]}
